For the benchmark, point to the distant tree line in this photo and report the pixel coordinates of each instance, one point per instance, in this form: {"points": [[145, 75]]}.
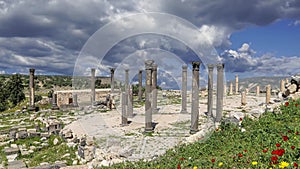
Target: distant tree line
{"points": [[11, 92]]}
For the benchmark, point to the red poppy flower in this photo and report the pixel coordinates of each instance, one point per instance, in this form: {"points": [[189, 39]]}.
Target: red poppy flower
{"points": [[278, 145], [295, 165], [293, 147], [296, 104], [274, 158], [213, 160], [241, 119], [245, 151], [265, 150], [240, 155], [286, 103], [178, 166], [285, 138], [278, 152], [297, 133]]}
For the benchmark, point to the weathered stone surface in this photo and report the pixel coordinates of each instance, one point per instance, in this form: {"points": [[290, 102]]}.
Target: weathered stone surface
{"points": [[18, 164], [10, 150]]}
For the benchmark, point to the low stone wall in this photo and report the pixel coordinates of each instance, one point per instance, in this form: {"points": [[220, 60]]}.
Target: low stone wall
{"points": [[66, 97]]}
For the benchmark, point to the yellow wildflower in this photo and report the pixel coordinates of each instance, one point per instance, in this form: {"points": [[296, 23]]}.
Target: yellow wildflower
{"points": [[220, 164], [283, 164], [195, 167], [254, 163]]}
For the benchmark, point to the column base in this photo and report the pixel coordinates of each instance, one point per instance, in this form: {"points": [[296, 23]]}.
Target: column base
{"points": [[31, 108], [123, 125], [54, 107], [183, 112], [193, 131], [155, 110], [148, 130]]}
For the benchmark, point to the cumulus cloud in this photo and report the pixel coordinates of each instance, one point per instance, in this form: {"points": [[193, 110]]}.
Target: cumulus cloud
{"points": [[244, 60]]}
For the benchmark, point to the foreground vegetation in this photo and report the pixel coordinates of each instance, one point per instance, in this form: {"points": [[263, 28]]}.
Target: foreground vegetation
{"points": [[272, 141]]}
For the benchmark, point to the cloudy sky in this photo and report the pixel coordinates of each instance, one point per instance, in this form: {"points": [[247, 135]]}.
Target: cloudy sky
{"points": [[252, 38]]}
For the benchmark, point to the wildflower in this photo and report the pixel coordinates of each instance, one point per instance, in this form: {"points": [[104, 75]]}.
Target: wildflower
{"points": [[283, 164], [240, 155], [285, 138], [295, 165], [241, 119], [195, 167], [278, 152], [278, 145], [220, 164], [265, 150], [286, 103], [254, 162], [297, 133], [245, 151], [289, 131], [213, 160], [296, 104], [293, 147], [274, 158], [178, 166]]}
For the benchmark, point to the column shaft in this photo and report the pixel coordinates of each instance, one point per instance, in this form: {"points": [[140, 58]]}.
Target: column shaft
{"points": [[184, 90], [93, 92], [220, 91], [210, 90], [154, 89], [140, 85], [195, 98], [31, 89], [148, 108]]}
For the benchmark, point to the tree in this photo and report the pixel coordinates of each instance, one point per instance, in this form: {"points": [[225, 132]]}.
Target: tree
{"points": [[3, 97], [15, 89]]}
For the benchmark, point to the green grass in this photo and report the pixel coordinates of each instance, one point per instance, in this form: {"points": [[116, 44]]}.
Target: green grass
{"points": [[229, 147]]}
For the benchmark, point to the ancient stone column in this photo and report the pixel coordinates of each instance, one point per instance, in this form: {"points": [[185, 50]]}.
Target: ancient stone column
{"points": [[225, 89], [268, 94], [140, 85], [130, 102], [93, 92], [126, 81], [220, 91], [154, 90], [75, 101], [54, 102], [148, 108], [230, 89], [184, 89], [210, 89], [195, 98], [112, 80], [257, 90], [31, 89], [243, 98], [236, 84], [124, 121], [282, 86]]}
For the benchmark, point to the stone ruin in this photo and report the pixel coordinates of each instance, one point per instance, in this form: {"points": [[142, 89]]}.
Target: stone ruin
{"points": [[292, 88]]}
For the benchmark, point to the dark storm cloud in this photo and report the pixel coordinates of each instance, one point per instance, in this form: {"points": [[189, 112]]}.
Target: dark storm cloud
{"points": [[50, 34]]}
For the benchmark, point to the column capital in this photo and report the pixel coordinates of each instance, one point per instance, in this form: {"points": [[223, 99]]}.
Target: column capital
{"points": [[112, 70], [220, 66], [126, 70], [196, 65], [148, 64], [154, 66], [184, 66], [140, 71], [210, 67], [31, 70]]}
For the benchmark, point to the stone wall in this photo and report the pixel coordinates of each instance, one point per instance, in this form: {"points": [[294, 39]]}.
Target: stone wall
{"points": [[66, 97]]}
